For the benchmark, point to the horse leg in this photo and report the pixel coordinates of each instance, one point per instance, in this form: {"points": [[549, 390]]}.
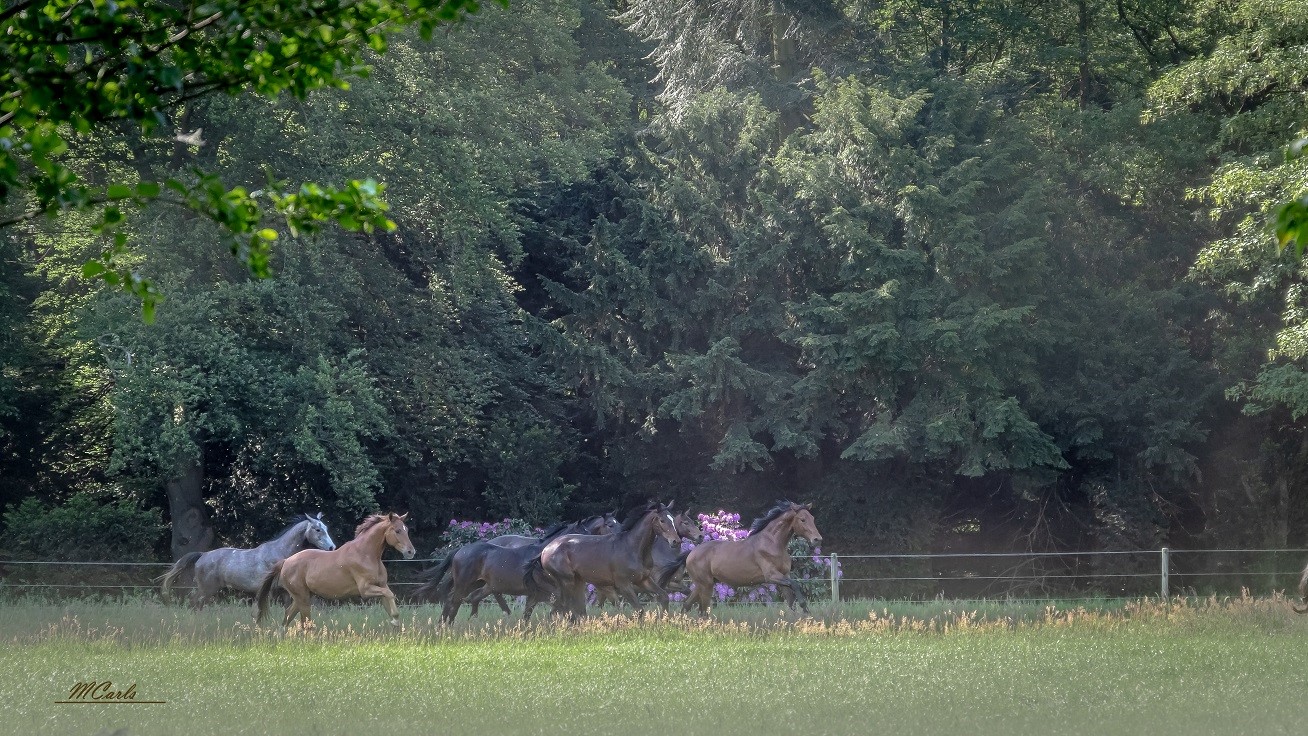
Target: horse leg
{"points": [[628, 591], [790, 592], [577, 606], [296, 605], [529, 606], [377, 590], [205, 588], [451, 609], [701, 592], [504, 606], [479, 595], [459, 593], [571, 599], [660, 595]]}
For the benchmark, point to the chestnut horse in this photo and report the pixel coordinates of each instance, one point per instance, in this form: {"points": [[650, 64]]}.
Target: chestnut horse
{"points": [[623, 560], [688, 529], [354, 568], [759, 559]]}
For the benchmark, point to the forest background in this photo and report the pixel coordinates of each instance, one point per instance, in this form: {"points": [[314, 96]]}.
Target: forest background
{"points": [[964, 274]]}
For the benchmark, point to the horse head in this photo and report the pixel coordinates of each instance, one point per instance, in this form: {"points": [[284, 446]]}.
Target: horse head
{"points": [[687, 527], [664, 525], [611, 524], [397, 535], [316, 533], [802, 524]]}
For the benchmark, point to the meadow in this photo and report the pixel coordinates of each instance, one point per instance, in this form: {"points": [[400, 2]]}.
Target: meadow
{"points": [[1196, 667]]}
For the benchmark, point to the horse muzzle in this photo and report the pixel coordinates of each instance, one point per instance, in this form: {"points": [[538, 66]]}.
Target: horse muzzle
{"points": [[408, 554]]}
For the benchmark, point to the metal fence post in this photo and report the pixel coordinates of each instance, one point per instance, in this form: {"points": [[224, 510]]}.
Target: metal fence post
{"points": [[835, 579], [1164, 561]]}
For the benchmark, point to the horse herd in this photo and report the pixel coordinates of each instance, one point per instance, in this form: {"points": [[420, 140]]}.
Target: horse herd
{"points": [[622, 561]]}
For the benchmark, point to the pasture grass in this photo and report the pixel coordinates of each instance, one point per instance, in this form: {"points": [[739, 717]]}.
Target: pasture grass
{"points": [[1198, 667]]}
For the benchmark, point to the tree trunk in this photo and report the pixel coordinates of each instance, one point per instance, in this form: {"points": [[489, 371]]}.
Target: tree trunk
{"points": [[785, 68], [1083, 73], [192, 531]]}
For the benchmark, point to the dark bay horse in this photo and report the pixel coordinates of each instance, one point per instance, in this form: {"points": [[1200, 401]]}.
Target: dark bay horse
{"points": [[687, 528], [759, 559], [622, 561], [494, 567], [353, 569], [245, 569], [606, 523]]}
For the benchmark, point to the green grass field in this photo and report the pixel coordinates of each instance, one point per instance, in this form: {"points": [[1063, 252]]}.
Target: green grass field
{"points": [[1211, 667]]}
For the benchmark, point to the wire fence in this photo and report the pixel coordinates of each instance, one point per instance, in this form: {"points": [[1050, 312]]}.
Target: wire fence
{"points": [[888, 576]]}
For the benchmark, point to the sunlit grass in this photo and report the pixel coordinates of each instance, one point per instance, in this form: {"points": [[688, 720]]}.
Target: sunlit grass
{"points": [[1210, 666]]}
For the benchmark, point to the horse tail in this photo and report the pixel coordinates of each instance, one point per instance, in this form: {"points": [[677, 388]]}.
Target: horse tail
{"points": [[1303, 594], [535, 577], [265, 588], [672, 569], [186, 563], [432, 578]]}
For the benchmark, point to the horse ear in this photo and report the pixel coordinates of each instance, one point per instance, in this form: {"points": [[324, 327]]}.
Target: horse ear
{"points": [[319, 514], [670, 503], [310, 518], [404, 516], [808, 506]]}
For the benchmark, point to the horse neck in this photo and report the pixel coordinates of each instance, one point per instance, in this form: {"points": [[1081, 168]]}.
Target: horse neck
{"points": [[289, 543], [775, 536], [373, 540], [642, 536]]}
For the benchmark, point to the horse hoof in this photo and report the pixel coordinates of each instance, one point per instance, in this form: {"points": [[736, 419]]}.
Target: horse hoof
{"points": [[395, 622]]}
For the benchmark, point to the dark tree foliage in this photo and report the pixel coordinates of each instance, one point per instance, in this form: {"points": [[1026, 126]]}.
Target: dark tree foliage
{"points": [[976, 275]]}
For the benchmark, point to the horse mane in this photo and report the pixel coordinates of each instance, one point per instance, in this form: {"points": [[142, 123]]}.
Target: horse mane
{"points": [[772, 515], [286, 529], [637, 514], [369, 523], [552, 532]]}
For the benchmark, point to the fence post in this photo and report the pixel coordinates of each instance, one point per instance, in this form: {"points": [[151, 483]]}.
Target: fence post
{"points": [[1164, 562], [835, 579]]}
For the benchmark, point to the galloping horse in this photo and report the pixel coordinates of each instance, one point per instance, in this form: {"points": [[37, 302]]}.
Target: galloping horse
{"points": [[759, 559], [606, 523], [245, 569], [355, 568], [687, 528], [623, 561], [485, 568]]}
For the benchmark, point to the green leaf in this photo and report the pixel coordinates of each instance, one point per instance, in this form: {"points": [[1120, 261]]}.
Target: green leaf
{"points": [[91, 269]]}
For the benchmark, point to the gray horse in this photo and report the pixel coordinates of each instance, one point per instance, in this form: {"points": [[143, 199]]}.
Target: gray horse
{"points": [[245, 569]]}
